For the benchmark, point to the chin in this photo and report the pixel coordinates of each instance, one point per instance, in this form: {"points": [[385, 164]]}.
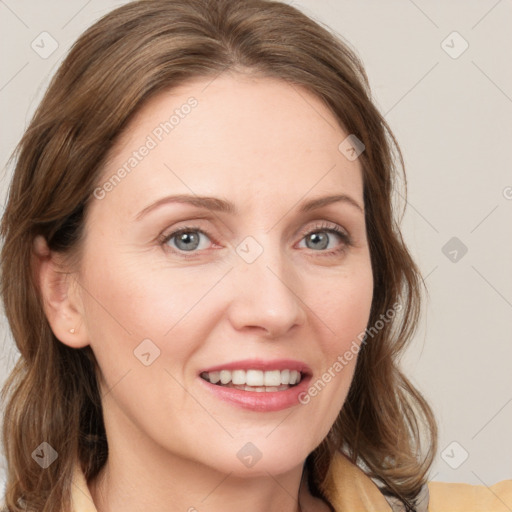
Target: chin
{"points": [[257, 456]]}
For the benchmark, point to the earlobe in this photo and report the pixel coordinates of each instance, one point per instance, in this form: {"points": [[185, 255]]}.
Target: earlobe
{"points": [[59, 294]]}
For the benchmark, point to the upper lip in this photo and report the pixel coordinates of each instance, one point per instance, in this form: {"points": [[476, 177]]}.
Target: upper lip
{"points": [[261, 364]]}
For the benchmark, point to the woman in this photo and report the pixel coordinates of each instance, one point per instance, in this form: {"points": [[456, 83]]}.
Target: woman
{"points": [[205, 280]]}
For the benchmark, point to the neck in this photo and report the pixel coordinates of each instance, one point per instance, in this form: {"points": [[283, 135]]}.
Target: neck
{"points": [[184, 486]]}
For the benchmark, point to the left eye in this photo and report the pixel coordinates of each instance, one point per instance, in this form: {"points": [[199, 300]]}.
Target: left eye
{"points": [[320, 238]]}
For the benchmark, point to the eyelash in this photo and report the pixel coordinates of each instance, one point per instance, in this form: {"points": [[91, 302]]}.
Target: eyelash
{"points": [[326, 227]]}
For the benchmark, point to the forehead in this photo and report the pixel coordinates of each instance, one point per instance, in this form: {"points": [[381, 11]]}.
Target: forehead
{"points": [[260, 137]]}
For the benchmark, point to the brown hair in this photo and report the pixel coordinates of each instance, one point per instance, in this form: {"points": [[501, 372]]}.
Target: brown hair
{"points": [[128, 56]]}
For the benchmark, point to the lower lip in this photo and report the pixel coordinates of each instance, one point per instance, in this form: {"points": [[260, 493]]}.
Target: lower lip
{"points": [[264, 401]]}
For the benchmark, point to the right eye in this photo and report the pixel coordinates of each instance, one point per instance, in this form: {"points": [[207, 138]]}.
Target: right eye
{"points": [[184, 240]]}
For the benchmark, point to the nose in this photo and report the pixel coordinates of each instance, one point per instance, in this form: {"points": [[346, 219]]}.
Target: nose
{"points": [[267, 296]]}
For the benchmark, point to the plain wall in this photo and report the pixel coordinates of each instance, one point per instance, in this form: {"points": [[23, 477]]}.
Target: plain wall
{"points": [[451, 112]]}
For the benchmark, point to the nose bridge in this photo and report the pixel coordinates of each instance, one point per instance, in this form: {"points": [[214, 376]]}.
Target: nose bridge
{"points": [[266, 287]]}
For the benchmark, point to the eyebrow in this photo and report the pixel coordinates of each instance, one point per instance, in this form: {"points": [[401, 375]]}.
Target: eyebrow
{"points": [[223, 206]]}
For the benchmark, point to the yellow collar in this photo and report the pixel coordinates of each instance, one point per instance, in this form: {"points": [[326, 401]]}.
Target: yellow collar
{"points": [[348, 488]]}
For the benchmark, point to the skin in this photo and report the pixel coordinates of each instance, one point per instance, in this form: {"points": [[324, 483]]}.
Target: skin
{"points": [[266, 146]]}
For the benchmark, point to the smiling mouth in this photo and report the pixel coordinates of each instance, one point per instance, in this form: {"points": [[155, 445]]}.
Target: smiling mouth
{"points": [[254, 380]]}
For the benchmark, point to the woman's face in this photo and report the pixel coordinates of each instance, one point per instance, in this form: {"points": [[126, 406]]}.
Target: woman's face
{"points": [[252, 293]]}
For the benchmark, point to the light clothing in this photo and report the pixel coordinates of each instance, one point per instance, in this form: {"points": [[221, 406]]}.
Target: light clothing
{"points": [[349, 489]]}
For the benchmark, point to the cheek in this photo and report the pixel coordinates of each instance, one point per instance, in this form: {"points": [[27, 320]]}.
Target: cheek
{"points": [[344, 311], [142, 332], [345, 307], [127, 304]]}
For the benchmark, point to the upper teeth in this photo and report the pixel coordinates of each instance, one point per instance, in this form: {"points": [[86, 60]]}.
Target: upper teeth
{"points": [[254, 377]]}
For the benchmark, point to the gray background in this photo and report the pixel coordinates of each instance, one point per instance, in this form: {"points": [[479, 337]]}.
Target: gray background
{"points": [[451, 111]]}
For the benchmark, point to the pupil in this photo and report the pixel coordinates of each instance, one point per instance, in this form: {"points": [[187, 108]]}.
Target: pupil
{"points": [[317, 240], [187, 239]]}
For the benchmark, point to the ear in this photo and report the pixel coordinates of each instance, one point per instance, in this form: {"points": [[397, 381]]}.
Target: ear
{"points": [[60, 295]]}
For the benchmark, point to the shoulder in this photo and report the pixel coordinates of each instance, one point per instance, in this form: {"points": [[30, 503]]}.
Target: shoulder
{"points": [[470, 498], [349, 488]]}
